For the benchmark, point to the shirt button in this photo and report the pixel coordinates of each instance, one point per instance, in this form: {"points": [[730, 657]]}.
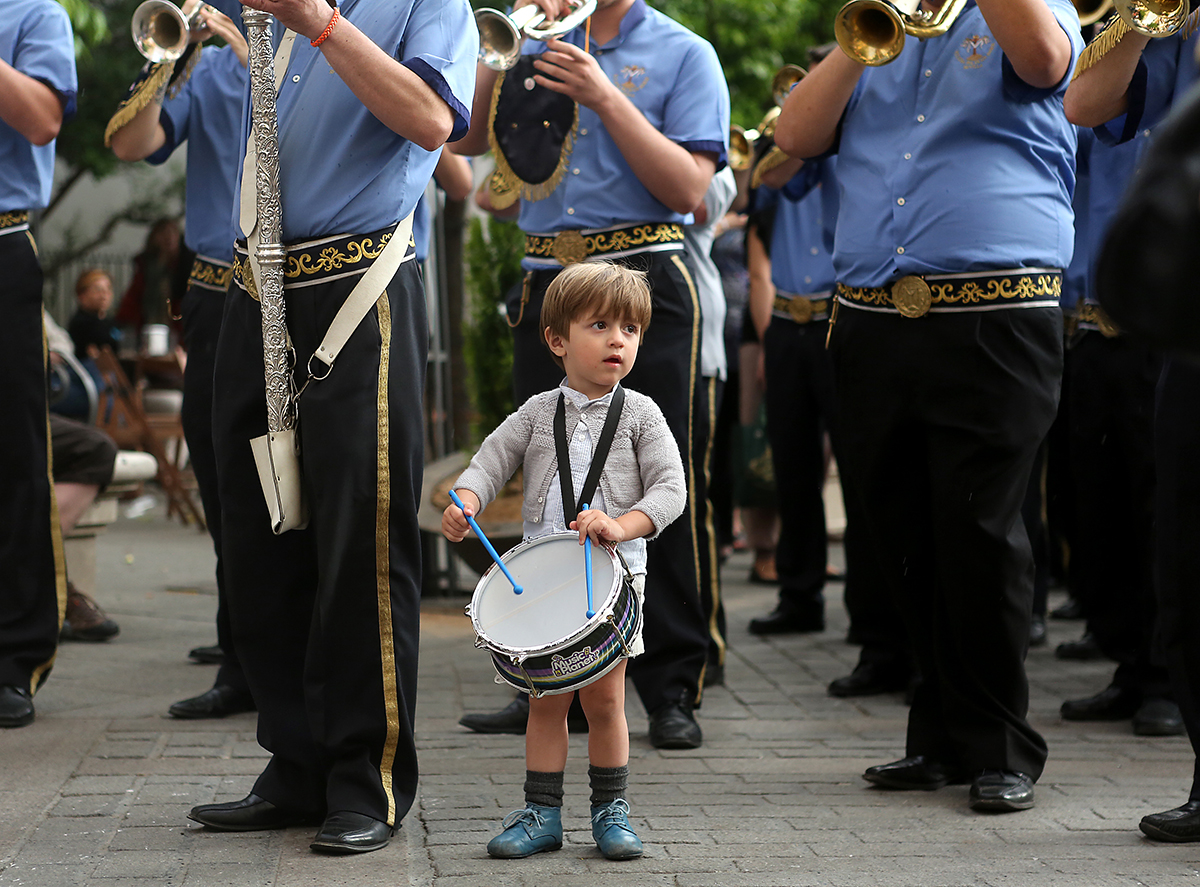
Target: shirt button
{"points": [[583, 132], [920, 118], [807, 279], [814, 250], [541, 498], [900, 201], [908, 157], [570, 210], [295, 78], [928, 72], [899, 250], [1146, 133], [575, 172]]}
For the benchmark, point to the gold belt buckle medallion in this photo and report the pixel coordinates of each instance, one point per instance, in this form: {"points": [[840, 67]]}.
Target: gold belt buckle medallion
{"points": [[569, 247], [911, 296], [801, 309]]}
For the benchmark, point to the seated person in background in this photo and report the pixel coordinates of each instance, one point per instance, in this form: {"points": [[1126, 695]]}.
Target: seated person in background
{"points": [[83, 466], [91, 328]]}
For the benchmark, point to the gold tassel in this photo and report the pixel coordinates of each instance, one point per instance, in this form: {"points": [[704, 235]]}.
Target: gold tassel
{"points": [[190, 60], [142, 96], [506, 178]]}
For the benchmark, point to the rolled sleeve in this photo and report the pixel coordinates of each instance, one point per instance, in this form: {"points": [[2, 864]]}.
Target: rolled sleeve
{"points": [[441, 46], [46, 52], [697, 114]]}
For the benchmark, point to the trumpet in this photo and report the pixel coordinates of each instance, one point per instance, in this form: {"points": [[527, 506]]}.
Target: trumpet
{"points": [[1154, 18], [1091, 11], [741, 148], [783, 81], [500, 35], [872, 32], [161, 30]]}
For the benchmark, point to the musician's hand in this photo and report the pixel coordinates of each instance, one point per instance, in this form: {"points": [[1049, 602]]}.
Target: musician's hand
{"points": [[566, 68], [307, 18], [599, 526], [221, 25], [454, 519], [552, 8]]}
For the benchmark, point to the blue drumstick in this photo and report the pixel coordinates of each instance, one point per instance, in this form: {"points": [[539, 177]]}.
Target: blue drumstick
{"points": [[587, 564], [486, 544]]}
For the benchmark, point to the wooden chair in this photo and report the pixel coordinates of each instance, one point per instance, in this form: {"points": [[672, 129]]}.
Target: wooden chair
{"points": [[122, 414]]}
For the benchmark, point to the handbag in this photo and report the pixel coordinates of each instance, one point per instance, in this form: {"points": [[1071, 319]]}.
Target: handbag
{"points": [[1145, 279]]}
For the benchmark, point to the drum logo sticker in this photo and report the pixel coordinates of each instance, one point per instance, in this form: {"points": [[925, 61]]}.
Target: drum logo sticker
{"points": [[580, 660]]}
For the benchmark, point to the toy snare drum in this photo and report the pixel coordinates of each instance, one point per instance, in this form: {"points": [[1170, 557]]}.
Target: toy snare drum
{"points": [[542, 640]]}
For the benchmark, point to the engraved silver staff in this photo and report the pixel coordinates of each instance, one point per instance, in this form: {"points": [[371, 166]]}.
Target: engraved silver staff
{"points": [[277, 360]]}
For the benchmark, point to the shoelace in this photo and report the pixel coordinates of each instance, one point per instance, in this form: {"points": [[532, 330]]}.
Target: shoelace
{"points": [[526, 815], [616, 813]]}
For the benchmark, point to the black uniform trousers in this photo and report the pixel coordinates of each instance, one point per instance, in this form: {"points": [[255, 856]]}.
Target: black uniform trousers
{"points": [[1177, 555], [941, 417], [800, 408], [32, 570], [1112, 388], [326, 619], [203, 307], [683, 557]]}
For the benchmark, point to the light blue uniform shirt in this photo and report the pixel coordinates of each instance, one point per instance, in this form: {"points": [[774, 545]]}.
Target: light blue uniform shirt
{"points": [[342, 171], [207, 114], [673, 77], [950, 163], [36, 39], [801, 239]]}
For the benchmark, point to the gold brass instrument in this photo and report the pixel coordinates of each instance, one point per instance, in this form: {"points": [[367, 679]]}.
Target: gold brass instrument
{"points": [[1091, 11], [1154, 18], [500, 35], [741, 148], [872, 32], [742, 141], [783, 81], [161, 30]]}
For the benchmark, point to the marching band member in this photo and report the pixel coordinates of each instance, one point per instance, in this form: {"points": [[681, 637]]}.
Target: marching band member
{"points": [[955, 169]]}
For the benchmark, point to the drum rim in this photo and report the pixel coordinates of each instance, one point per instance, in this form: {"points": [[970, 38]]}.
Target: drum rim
{"points": [[603, 611]]}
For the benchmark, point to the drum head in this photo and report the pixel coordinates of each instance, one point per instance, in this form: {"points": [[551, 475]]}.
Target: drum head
{"points": [[553, 605]]}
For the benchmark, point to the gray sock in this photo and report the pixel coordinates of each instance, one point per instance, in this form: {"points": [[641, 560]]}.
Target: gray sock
{"points": [[608, 783], [545, 789]]}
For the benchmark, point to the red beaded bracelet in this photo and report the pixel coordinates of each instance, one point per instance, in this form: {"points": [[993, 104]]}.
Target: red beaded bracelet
{"points": [[328, 28]]}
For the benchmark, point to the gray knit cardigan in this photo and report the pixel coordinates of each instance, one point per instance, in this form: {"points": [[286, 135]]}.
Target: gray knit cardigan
{"points": [[643, 471]]}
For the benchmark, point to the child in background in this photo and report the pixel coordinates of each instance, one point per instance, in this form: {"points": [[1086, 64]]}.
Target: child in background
{"points": [[593, 317]]}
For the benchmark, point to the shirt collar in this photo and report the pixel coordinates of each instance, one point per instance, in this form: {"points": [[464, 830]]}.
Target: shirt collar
{"points": [[580, 400], [633, 17]]}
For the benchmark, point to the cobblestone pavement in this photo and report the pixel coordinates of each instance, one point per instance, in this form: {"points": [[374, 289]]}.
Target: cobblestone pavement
{"points": [[95, 792]]}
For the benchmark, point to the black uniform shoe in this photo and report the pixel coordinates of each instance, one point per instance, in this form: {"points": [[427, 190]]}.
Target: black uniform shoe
{"points": [[347, 832], [1037, 632], [714, 674], [1084, 649], [1180, 825], [781, 621], [1001, 791], [16, 707], [870, 679], [908, 774], [1110, 704], [213, 655], [673, 726], [514, 716], [250, 814], [1072, 609], [1158, 717], [218, 702]]}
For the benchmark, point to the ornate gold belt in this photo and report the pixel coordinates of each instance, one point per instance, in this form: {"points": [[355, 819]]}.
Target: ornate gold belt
{"points": [[13, 219], [802, 309], [318, 260], [210, 275], [569, 247], [914, 296], [1089, 316]]}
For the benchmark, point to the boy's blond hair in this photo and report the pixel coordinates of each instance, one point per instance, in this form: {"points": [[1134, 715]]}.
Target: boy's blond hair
{"points": [[588, 288]]}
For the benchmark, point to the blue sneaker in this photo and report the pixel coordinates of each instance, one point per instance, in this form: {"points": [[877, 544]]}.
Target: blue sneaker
{"points": [[612, 833], [528, 831]]}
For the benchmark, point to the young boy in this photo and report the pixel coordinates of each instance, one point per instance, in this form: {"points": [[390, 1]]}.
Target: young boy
{"points": [[593, 317]]}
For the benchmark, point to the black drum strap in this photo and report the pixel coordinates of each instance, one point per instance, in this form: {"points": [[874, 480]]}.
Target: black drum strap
{"points": [[598, 458]]}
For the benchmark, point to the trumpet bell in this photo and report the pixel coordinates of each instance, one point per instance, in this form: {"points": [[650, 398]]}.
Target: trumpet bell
{"points": [[160, 30], [869, 31], [500, 35], [741, 149], [1154, 18], [783, 81], [1091, 11]]}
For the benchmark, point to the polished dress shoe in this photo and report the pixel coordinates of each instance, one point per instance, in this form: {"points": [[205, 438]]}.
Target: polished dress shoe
{"points": [[1110, 704], [1001, 791], [917, 773], [781, 621], [16, 707], [213, 655], [1082, 650], [673, 726], [250, 814], [1179, 826], [347, 832], [514, 717], [534, 829], [1158, 717], [612, 833], [218, 702], [870, 679], [1037, 631]]}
